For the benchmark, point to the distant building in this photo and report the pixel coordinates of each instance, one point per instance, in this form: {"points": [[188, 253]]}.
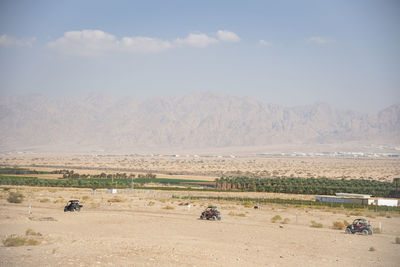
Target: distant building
{"points": [[345, 198], [360, 199], [385, 202]]}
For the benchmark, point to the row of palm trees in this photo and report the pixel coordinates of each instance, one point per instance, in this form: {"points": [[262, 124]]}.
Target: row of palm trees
{"points": [[306, 186]]}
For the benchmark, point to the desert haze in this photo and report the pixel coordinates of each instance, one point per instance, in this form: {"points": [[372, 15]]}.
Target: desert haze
{"points": [[197, 120]]}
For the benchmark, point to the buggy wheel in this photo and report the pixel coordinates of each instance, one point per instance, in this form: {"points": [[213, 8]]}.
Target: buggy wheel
{"points": [[213, 218], [365, 232], [201, 217], [347, 231], [79, 209]]}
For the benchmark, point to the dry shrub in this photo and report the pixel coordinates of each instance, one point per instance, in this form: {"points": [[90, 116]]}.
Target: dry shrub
{"points": [[276, 218], [15, 197], [231, 213], [85, 197], [58, 201], [372, 249], [397, 240], [151, 203], [116, 199], [388, 216], [286, 221], [169, 208], [248, 204], [377, 230], [314, 224], [17, 241], [31, 232], [355, 213], [338, 226], [346, 223], [44, 200]]}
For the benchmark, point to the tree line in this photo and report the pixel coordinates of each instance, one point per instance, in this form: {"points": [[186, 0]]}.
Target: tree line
{"points": [[71, 174], [314, 186]]}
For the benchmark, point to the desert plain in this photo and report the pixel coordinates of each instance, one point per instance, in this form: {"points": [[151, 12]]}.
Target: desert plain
{"points": [[159, 228], [153, 228]]}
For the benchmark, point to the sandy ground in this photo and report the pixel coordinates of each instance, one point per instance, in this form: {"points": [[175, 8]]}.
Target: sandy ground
{"points": [[139, 231], [205, 168]]}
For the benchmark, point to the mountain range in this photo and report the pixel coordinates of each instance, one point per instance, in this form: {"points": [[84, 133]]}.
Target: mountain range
{"points": [[198, 120]]}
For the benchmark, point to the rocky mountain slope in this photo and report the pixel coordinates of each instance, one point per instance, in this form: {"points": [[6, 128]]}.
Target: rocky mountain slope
{"points": [[199, 120]]}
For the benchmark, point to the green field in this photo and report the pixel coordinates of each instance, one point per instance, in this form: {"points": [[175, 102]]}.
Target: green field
{"points": [[98, 183], [20, 171]]}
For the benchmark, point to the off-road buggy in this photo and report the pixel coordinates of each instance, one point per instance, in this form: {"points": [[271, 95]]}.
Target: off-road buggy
{"points": [[359, 226], [73, 205], [211, 213]]}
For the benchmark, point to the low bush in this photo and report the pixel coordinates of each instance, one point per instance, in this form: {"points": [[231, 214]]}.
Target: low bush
{"points": [[346, 223], [31, 232], [44, 200], [338, 226], [276, 218], [248, 204], [286, 221], [115, 199], [17, 241], [151, 203], [15, 197], [314, 224], [397, 240], [377, 230], [372, 249], [169, 208], [85, 197]]}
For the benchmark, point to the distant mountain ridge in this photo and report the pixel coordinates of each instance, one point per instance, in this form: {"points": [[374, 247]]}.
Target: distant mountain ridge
{"points": [[197, 120]]}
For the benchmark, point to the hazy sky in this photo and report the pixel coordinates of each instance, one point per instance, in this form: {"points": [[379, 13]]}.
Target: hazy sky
{"points": [[345, 53]]}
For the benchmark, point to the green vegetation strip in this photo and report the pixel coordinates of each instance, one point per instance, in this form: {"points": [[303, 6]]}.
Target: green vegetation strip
{"points": [[312, 186], [20, 171], [294, 202], [98, 183]]}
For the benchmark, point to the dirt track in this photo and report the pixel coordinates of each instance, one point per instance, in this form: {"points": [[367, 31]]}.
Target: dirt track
{"points": [[139, 231]]}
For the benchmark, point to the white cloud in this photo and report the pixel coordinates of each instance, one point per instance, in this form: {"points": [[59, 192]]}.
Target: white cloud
{"points": [[85, 43], [264, 43], [144, 44], [91, 43], [227, 36], [319, 40], [6, 40], [200, 40]]}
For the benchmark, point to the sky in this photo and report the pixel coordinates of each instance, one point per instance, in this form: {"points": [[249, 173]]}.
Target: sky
{"points": [[344, 53]]}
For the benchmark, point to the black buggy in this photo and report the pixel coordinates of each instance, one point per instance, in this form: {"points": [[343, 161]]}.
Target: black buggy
{"points": [[211, 213], [73, 205], [359, 226]]}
